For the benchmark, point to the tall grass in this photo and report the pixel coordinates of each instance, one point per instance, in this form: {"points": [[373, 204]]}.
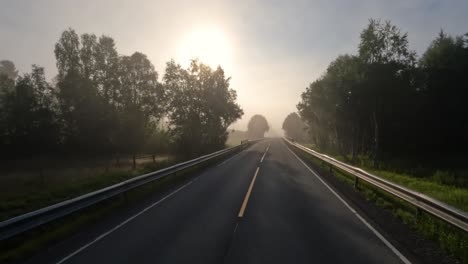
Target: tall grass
{"points": [[22, 191], [439, 184]]}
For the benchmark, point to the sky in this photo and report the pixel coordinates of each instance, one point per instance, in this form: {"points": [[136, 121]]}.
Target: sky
{"points": [[271, 49]]}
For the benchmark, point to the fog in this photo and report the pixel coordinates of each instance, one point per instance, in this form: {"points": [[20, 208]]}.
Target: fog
{"points": [[276, 49]]}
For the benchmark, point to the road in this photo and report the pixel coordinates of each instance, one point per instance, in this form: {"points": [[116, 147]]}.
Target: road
{"points": [[263, 205]]}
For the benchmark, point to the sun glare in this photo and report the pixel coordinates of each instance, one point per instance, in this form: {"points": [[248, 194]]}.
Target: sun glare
{"points": [[210, 45]]}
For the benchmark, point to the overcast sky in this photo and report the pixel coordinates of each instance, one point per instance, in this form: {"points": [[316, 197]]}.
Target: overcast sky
{"points": [[278, 47]]}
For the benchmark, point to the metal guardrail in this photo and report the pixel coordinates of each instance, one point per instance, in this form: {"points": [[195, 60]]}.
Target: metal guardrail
{"points": [[25, 222], [422, 202]]}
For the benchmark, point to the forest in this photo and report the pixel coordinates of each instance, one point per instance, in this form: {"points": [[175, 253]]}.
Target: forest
{"points": [[390, 105]]}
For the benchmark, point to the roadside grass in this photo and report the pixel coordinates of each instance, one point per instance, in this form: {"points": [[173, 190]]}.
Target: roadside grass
{"points": [[440, 185], [21, 247], [451, 195], [451, 239], [25, 191]]}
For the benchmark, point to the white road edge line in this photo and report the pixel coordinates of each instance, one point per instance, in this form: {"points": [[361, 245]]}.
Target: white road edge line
{"points": [[264, 154], [380, 236], [120, 225]]}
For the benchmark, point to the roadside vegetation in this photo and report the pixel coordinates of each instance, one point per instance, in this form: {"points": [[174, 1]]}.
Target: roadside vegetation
{"points": [[399, 116], [26, 189], [450, 239], [388, 109], [392, 113], [87, 127], [438, 184], [21, 247]]}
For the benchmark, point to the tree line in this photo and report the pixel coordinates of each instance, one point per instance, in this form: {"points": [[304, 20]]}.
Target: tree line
{"points": [[102, 102], [388, 103]]}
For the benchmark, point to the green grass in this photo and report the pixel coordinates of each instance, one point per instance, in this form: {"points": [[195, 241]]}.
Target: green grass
{"points": [[439, 186], [21, 193], [457, 197], [451, 239]]}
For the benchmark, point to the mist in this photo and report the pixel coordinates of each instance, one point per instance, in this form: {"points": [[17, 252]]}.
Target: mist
{"points": [[274, 55]]}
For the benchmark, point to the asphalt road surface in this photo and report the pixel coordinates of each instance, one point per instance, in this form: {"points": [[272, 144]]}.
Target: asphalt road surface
{"points": [[262, 205]]}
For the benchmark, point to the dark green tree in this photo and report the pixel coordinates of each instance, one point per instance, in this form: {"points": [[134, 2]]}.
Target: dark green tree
{"points": [[201, 106], [444, 91], [140, 104], [30, 124]]}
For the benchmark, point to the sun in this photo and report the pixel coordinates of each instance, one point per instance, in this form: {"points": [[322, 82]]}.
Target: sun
{"points": [[210, 45]]}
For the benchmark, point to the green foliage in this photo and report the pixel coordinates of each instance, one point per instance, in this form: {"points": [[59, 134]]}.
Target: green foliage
{"points": [[201, 106], [29, 121], [383, 103]]}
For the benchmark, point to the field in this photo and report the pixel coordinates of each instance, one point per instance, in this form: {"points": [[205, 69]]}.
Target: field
{"points": [[26, 185], [235, 137]]}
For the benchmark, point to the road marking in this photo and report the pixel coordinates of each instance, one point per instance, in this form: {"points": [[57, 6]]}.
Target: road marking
{"points": [[264, 154], [380, 236], [121, 224], [247, 195]]}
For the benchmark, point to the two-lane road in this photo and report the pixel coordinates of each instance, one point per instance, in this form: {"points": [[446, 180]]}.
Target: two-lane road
{"points": [[260, 206]]}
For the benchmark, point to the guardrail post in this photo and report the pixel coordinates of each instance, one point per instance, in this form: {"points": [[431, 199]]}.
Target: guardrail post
{"points": [[331, 169], [356, 182]]}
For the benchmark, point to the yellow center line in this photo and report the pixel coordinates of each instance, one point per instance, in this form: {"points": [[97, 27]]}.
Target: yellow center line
{"points": [[264, 154], [247, 195]]}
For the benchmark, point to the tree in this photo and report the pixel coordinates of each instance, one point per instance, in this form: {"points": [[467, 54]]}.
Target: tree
{"points": [[257, 127], [201, 106], [30, 117], [8, 68], [294, 127], [140, 102], [353, 105], [7, 87], [332, 105], [89, 91], [384, 43], [67, 53], [388, 61], [445, 69]]}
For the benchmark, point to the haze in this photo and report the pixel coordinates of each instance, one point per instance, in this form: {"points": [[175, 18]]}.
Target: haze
{"points": [[272, 49]]}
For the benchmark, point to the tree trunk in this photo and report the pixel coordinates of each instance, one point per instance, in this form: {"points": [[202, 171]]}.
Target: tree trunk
{"points": [[134, 161]]}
